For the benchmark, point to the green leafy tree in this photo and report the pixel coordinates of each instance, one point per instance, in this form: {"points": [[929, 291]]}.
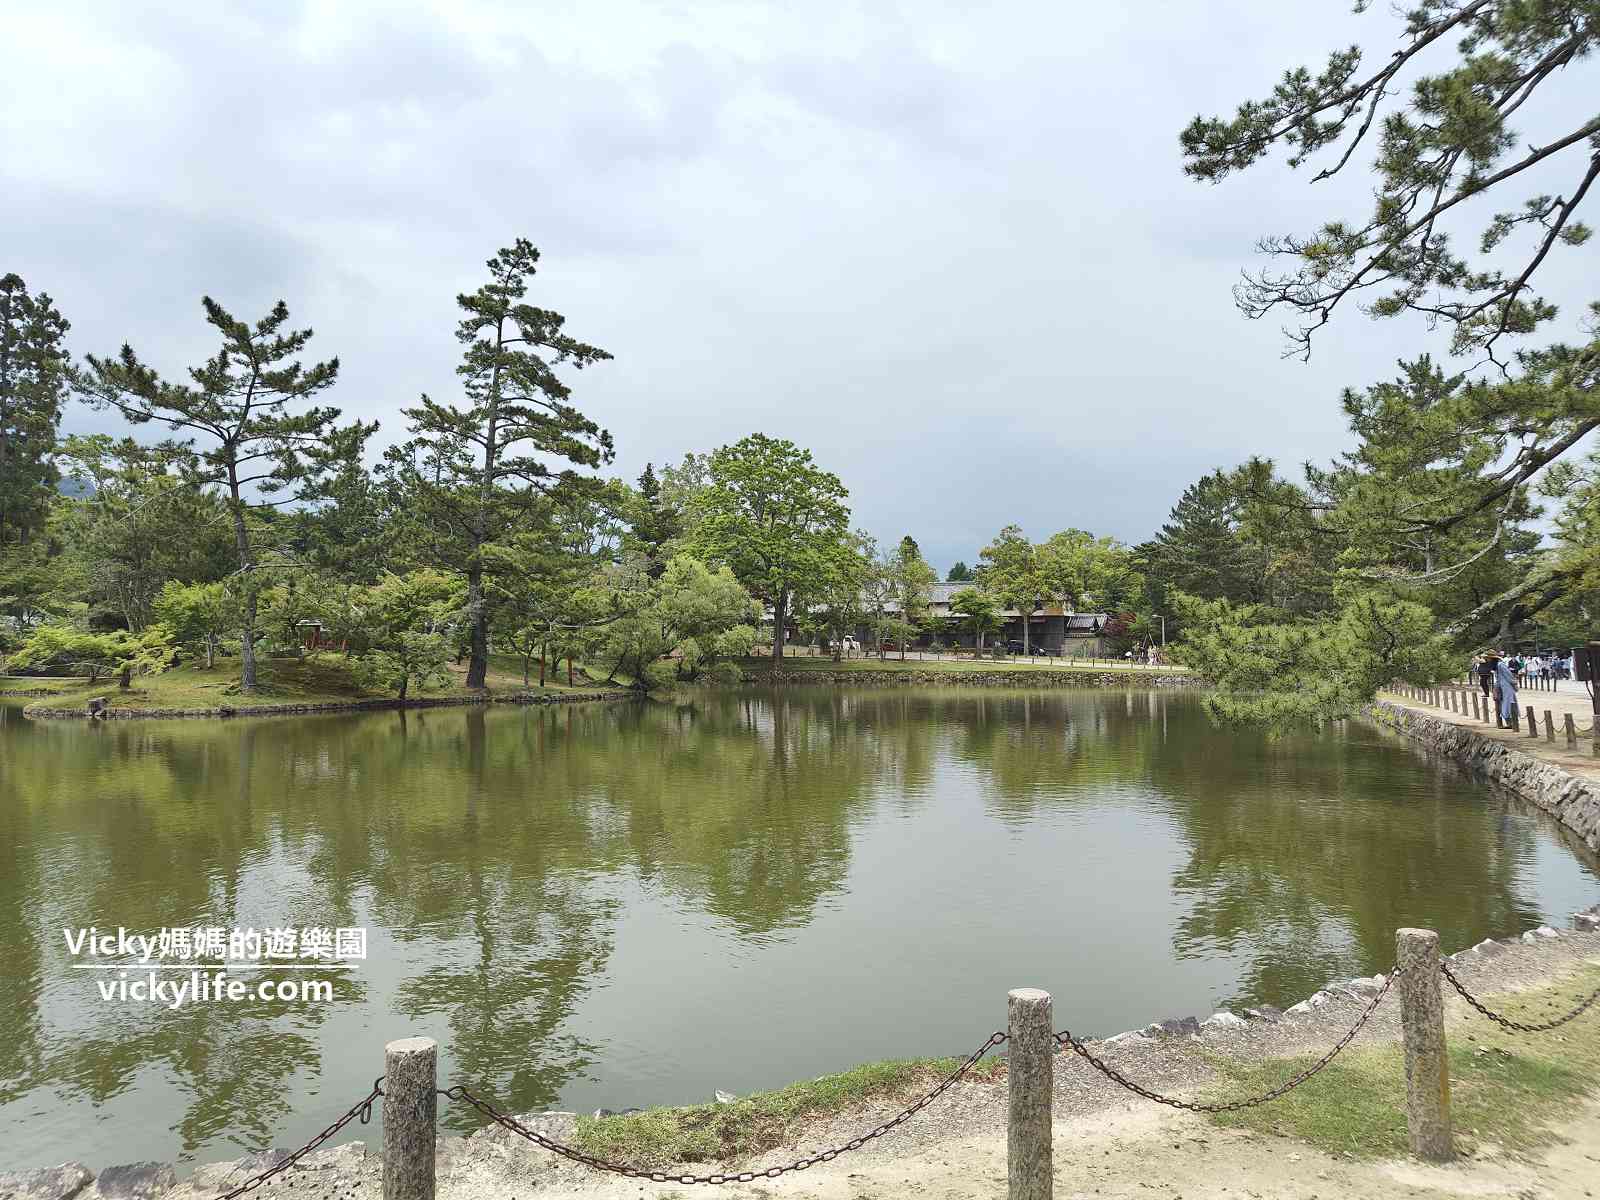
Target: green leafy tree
{"points": [[1011, 574], [977, 611], [93, 655], [960, 573], [693, 610], [408, 618], [474, 470], [912, 582], [776, 518], [196, 613], [34, 375], [139, 523], [1078, 568], [261, 443]]}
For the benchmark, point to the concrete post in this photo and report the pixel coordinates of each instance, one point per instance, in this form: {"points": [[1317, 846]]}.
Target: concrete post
{"points": [[1422, 1030], [410, 1075], [1476, 715], [1571, 731], [1030, 1082]]}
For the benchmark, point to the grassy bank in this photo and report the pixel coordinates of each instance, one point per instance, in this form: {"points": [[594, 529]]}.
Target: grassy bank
{"points": [[718, 1132], [323, 678], [1505, 1088]]}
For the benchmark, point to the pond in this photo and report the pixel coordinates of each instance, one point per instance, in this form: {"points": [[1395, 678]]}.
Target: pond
{"points": [[641, 903]]}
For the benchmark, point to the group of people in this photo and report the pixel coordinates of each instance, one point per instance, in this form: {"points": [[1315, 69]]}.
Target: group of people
{"points": [[1500, 675]]}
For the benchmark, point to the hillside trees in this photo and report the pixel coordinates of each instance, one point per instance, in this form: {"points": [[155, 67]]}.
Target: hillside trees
{"points": [[474, 469]]}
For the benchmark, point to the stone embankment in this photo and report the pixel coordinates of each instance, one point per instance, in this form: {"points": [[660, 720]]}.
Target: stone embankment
{"points": [[46, 712], [1573, 800], [1043, 677]]}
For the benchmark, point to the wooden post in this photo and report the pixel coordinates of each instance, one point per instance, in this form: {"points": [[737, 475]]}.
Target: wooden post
{"points": [[1549, 726], [1533, 722], [1422, 1030], [1571, 731], [1029, 1084], [410, 1075]]}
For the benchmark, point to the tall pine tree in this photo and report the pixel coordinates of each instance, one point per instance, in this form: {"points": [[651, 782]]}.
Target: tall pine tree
{"points": [[34, 375], [474, 469]]}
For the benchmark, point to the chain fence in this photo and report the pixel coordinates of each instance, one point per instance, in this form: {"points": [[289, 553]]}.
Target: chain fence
{"points": [[750, 1176], [362, 1108], [1506, 1022], [1064, 1041], [1067, 1041]]}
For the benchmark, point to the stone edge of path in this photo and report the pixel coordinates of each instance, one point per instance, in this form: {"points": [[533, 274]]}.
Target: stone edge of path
{"points": [[1571, 799], [975, 678], [41, 712]]}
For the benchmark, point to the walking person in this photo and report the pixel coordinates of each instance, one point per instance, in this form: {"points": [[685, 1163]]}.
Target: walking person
{"points": [[1485, 669], [1506, 685]]}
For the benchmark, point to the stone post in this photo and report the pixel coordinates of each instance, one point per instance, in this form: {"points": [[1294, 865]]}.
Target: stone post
{"points": [[1029, 1080], [1422, 1030], [410, 1075]]}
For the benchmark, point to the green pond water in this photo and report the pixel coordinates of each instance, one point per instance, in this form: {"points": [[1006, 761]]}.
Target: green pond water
{"points": [[640, 903]]}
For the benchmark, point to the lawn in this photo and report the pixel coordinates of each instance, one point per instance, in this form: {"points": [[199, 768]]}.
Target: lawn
{"points": [[1505, 1088], [323, 678]]}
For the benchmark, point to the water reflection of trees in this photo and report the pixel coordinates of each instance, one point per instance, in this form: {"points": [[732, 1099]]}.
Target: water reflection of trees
{"points": [[1304, 857]]}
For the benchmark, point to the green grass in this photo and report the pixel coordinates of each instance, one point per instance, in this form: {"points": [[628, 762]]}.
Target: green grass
{"points": [[701, 1133], [36, 683], [323, 678], [1504, 1088]]}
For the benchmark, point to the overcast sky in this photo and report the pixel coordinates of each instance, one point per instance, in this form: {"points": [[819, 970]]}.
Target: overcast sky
{"points": [[950, 248]]}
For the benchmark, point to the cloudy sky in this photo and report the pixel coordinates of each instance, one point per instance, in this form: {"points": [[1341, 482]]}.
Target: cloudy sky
{"points": [[948, 247]]}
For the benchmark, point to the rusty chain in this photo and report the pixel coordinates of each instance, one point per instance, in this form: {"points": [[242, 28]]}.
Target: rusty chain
{"points": [[517, 1127], [1507, 1022], [361, 1108], [1067, 1041]]}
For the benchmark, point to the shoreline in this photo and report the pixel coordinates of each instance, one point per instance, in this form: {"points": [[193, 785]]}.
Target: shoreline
{"points": [[42, 712], [1573, 800], [1017, 677]]}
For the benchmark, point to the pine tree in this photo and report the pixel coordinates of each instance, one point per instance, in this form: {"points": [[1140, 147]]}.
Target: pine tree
{"points": [[473, 469], [34, 375], [258, 448]]}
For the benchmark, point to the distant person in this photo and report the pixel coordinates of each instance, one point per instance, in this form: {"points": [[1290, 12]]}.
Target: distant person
{"points": [[1505, 677], [1485, 669]]}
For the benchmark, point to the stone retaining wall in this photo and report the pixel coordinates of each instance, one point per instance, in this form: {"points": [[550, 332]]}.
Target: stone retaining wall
{"points": [[1569, 798], [975, 678], [43, 712]]}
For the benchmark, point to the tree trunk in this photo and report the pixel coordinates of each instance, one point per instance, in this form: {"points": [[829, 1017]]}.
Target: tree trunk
{"points": [[241, 542], [125, 680], [478, 653], [1027, 619], [405, 682], [211, 650], [569, 670], [780, 613], [527, 668], [544, 652]]}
